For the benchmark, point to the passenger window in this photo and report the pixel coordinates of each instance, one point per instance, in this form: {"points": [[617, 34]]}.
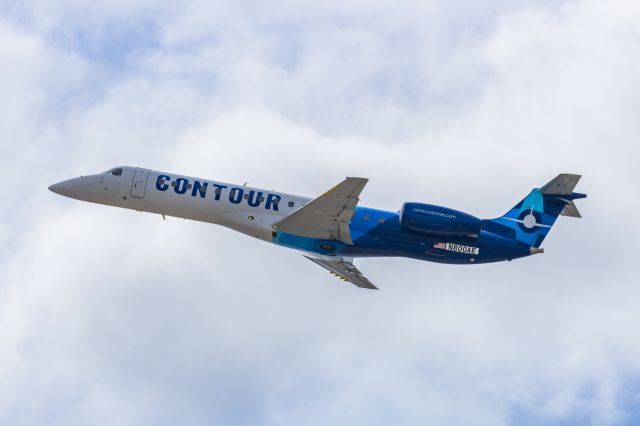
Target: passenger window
{"points": [[381, 219], [366, 217], [291, 204]]}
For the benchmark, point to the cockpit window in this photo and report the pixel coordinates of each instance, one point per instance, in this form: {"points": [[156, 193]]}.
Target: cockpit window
{"points": [[116, 172]]}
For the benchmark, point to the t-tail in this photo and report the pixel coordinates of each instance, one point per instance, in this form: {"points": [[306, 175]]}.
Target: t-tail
{"points": [[531, 219]]}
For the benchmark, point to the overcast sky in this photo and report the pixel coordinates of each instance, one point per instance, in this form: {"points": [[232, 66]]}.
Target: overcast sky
{"points": [[111, 316]]}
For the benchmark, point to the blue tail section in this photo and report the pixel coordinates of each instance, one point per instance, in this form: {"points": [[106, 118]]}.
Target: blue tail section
{"points": [[531, 219]]}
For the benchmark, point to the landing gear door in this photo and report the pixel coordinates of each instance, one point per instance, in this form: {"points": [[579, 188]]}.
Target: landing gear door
{"points": [[139, 183]]}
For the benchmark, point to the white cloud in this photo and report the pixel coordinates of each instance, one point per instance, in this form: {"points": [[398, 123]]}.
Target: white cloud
{"points": [[110, 316]]}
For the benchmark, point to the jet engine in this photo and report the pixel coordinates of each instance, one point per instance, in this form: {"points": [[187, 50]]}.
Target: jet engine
{"points": [[436, 220]]}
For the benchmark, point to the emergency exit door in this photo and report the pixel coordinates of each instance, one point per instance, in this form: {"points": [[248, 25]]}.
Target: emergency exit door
{"points": [[139, 183]]}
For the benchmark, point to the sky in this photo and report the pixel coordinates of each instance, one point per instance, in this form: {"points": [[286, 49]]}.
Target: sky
{"points": [[109, 316]]}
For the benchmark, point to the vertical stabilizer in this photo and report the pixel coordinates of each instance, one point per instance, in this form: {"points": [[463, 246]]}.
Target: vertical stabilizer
{"points": [[531, 219]]}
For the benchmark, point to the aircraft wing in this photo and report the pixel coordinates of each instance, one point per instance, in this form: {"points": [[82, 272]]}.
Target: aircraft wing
{"points": [[344, 269], [564, 184], [328, 216]]}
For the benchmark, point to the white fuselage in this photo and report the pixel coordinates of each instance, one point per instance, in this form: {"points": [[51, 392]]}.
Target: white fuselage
{"points": [[251, 211]]}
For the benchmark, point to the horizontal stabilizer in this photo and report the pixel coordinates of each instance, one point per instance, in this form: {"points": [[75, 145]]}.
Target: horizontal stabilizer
{"points": [[563, 184], [571, 210]]}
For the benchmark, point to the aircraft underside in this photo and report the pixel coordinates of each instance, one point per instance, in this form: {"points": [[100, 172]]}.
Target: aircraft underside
{"points": [[390, 240]]}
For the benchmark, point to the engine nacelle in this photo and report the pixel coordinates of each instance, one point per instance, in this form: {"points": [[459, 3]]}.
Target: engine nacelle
{"points": [[436, 220]]}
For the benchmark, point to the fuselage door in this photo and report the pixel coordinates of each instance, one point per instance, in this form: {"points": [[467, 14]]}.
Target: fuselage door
{"points": [[139, 183]]}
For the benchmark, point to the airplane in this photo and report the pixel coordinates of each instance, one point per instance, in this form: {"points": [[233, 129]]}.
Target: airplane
{"points": [[331, 230]]}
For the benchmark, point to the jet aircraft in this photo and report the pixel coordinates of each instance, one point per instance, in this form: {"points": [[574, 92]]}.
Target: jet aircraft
{"points": [[331, 230]]}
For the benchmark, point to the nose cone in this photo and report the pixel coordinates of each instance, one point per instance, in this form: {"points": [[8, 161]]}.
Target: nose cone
{"points": [[58, 188], [72, 188]]}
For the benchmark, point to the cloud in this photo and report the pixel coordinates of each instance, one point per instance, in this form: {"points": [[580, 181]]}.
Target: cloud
{"points": [[110, 316]]}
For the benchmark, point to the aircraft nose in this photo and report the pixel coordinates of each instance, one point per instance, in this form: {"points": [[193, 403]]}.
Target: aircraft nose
{"points": [[57, 188], [69, 188]]}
